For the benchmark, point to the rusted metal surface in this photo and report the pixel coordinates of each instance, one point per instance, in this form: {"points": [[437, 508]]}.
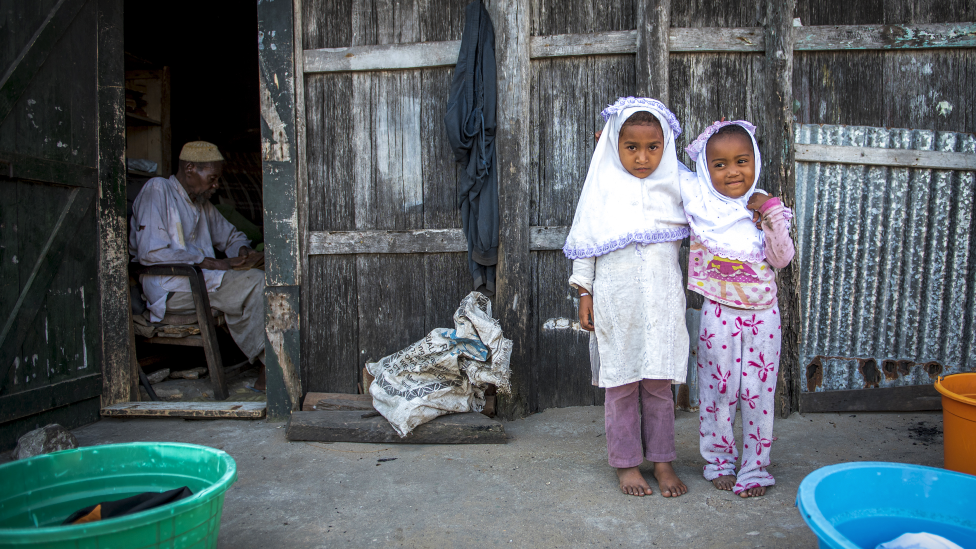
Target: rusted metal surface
{"points": [[887, 266]]}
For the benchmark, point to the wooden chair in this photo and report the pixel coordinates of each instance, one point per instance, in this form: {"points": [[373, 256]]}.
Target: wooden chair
{"points": [[208, 334]]}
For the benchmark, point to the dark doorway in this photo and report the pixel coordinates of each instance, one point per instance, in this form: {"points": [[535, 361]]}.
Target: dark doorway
{"points": [[192, 74]]}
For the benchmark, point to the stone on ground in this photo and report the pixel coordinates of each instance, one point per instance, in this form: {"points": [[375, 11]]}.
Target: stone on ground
{"points": [[158, 376], [47, 439]]}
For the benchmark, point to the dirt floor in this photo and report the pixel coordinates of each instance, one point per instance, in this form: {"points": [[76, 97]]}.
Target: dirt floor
{"points": [[201, 390], [550, 486]]}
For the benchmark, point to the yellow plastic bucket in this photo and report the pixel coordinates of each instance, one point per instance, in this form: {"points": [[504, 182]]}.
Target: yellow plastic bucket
{"points": [[959, 421]]}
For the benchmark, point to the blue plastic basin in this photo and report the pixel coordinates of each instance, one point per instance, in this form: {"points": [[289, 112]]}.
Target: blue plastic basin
{"points": [[859, 505]]}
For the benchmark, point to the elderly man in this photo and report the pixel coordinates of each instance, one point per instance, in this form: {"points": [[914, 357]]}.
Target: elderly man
{"points": [[173, 221]]}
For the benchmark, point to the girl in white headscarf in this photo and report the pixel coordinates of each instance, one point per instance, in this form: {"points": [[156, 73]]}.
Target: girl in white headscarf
{"points": [[624, 245], [738, 236]]}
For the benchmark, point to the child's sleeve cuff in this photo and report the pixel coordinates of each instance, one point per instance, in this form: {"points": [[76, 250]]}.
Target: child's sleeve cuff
{"points": [[769, 204]]}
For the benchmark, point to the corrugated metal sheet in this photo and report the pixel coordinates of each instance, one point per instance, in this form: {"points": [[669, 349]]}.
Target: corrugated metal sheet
{"points": [[887, 260]]}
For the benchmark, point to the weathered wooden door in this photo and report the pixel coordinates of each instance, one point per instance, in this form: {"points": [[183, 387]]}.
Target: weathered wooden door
{"points": [[62, 250]]}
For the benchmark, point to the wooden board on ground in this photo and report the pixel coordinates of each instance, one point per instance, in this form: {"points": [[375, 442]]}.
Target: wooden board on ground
{"points": [[214, 410], [912, 398], [336, 402], [469, 428]]}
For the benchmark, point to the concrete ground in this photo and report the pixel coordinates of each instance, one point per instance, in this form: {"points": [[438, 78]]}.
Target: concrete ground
{"points": [[550, 486]]}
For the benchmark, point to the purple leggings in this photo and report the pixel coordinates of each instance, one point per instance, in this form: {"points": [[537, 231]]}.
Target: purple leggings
{"points": [[626, 414]]}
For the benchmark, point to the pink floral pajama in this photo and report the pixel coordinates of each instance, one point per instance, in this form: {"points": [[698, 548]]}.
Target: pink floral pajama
{"points": [[738, 361]]}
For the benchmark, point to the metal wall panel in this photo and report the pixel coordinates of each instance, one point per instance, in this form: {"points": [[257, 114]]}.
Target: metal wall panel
{"points": [[887, 263]]}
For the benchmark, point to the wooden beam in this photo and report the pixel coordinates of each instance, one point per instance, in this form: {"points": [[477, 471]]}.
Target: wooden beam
{"points": [[301, 153], [418, 241], [653, 48], [780, 180], [208, 410], [469, 428], [896, 158], [691, 39], [547, 238], [195, 340], [53, 172], [382, 57], [35, 288], [32, 56], [283, 213], [885, 37], [337, 402], [717, 39], [387, 242], [512, 145], [914, 398], [569, 45], [34, 401], [276, 64], [113, 255]]}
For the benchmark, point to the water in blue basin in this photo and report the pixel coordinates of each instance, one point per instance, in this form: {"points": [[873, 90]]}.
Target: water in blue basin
{"points": [[859, 505]]}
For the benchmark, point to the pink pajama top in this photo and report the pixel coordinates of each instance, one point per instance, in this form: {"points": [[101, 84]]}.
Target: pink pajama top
{"points": [[744, 284]]}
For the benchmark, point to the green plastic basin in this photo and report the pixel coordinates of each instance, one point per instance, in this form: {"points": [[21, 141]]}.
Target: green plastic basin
{"points": [[40, 492]]}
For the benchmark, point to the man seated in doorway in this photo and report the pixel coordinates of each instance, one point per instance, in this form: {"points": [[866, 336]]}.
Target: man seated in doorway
{"points": [[173, 221]]}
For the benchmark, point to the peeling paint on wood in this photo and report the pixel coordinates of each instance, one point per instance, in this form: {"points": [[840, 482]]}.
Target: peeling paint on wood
{"points": [[280, 178], [885, 37], [119, 383], [282, 326], [563, 324], [275, 147]]}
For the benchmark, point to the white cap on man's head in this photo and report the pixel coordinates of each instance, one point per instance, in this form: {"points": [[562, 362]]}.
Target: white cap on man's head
{"points": [[200, 151]]}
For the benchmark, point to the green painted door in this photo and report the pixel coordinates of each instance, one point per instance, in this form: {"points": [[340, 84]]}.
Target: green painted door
{"points": [[60, 183]]}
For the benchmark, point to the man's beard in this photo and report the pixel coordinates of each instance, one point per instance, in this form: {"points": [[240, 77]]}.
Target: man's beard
{"points": [[203, 197]]}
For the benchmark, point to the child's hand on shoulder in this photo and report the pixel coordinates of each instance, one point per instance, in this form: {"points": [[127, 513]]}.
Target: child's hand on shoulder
{"points": [[756, 202]]}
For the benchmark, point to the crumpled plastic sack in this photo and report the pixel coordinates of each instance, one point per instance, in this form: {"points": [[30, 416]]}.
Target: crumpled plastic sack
{"points": [[446, 372]]}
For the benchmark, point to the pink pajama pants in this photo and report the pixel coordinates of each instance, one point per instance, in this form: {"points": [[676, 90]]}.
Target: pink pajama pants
{"points": [[738, 361], [641, 426]]}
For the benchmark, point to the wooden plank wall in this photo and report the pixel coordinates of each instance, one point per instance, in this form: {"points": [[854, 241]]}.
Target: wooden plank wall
{"points": [[378, 159], [567, 96], [920, 89]]}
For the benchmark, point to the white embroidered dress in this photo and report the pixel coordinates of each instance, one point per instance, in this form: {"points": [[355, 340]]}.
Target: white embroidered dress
{"points": [[624, 244]]}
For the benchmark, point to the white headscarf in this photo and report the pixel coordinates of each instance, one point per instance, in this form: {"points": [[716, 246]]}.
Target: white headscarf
{"points": [[723, 224], [616, 208]]}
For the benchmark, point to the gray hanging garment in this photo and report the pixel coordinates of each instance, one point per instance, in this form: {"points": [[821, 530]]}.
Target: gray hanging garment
{"points": [[470, 122]]}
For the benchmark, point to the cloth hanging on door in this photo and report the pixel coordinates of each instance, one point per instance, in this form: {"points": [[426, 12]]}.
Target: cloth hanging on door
{"points": [[470, 122]]}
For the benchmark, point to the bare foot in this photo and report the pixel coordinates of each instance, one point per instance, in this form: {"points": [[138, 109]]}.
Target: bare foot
{"points": [[726, 482], [753, 492], [668, 481], [632, 482]]}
